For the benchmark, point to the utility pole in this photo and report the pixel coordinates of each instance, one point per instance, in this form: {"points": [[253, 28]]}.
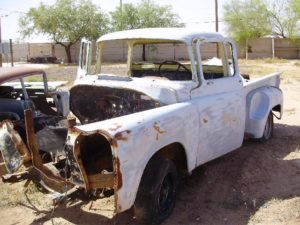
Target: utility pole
{"points": [[1, 40], [217, 16], [11, 52], [121, 7], [0, 45]]}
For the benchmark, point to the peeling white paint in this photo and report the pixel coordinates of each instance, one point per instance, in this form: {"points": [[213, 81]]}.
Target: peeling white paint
{"points": [[207, 117]]}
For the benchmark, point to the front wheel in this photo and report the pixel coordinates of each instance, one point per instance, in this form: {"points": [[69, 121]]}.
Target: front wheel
{"points": [[268, 131], [156, 196]]}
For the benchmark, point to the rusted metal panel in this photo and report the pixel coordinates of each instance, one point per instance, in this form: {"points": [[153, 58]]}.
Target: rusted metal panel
{"points": [[107, 102], [12, 147], [48, 178], [12, 73], [101, 180], [3, 170], [77, 156]]}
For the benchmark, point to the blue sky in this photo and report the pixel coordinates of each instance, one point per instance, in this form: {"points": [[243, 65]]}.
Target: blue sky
{"points": [[195, 13]]}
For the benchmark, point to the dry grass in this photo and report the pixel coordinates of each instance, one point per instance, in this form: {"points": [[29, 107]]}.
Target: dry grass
{"points": [[297, 64], [277, 211], [15, 194], [253, 67], [257, 68], [274, 60]]}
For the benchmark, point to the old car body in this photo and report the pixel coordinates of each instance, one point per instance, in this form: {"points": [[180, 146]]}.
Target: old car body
{"points": [[21, 89], [200, 118], [189, 113]]}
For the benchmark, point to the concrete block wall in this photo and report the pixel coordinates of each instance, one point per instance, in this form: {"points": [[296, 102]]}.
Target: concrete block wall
{"points": [[116, 51], [260, 48]]}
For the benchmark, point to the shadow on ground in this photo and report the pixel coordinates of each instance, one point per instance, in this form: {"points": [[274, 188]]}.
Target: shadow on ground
{"points": [[228, 190]]}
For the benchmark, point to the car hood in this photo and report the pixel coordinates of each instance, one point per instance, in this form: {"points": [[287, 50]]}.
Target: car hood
{"points": [[164, 91]]}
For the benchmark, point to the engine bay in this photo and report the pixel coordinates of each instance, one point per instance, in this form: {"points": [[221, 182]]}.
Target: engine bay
{"points": [[96, 103]]}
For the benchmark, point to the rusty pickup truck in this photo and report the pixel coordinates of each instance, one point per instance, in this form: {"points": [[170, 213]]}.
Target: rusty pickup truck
{"points": [[179, 103]]}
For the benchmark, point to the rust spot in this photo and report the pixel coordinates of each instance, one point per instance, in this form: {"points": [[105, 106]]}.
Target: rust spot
{"points": [[71, 122], [121, 136], [119, 174], [157, 128], [205, 120], [117, 126], [113, 142]]}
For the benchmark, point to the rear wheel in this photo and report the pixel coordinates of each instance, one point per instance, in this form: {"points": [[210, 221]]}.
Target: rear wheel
{"points": [[156, 196], [268, 131]]}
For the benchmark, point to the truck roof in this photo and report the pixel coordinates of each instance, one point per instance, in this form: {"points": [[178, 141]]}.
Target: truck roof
{"points": [[185, 35], [11, 73]]}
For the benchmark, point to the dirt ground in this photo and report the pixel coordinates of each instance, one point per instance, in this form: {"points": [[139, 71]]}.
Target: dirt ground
{"points": [[257, 184]]}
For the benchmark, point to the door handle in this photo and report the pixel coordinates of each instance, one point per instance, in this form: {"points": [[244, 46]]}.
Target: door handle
{"points": [[210, 83]]}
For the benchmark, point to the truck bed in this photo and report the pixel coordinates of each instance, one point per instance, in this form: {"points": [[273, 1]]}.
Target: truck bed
{"points": [[272, 80]]}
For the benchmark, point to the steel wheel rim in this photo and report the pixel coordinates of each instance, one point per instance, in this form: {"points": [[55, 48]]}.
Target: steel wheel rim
{"points": [[165, 192]]}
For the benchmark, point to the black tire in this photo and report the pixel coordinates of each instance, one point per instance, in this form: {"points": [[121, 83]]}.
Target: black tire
{"points": [[156, 196], [268, 131]]}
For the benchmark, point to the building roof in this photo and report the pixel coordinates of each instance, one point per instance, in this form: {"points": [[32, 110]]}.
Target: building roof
{"points": [[12, 73], [172, 34]]}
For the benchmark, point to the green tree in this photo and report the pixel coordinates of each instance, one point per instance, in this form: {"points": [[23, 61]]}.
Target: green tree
{"points": [[65, 22], [125, 19], [283, 16], [247, 19], [253, 18], [295, 4], [294, 14], [142, 15]]}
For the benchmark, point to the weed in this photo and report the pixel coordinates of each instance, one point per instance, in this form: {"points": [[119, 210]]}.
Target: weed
{"points": [[297, 64], [275, 60]]}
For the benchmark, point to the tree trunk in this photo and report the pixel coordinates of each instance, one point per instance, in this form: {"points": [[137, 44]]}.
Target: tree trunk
{"points": [[144, 52], [67, 49], [246, 56], [68, 52]]}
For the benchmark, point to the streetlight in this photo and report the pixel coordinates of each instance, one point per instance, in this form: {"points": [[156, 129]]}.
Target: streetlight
{"points": [[1, 40]]}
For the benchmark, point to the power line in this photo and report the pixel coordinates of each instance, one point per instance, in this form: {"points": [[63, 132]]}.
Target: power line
{"points": [[211, 21], [200, 22], [12, 11]]}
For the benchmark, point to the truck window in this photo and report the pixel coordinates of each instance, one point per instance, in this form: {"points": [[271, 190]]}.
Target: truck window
{"points": [[165, 60], [217, 60]]}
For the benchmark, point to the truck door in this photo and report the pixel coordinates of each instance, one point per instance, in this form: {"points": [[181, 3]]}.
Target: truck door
{"points": [[85, 58], [220, 101]]}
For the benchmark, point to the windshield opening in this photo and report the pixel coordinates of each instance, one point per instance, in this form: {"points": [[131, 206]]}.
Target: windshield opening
{"points": [[167, 60]]}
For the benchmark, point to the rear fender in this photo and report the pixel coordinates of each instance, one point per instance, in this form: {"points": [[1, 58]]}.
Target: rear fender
{"points": [[260, 103]]}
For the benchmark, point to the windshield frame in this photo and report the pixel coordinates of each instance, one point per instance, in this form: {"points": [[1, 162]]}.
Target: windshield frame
{"points": [[131, 43]]}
